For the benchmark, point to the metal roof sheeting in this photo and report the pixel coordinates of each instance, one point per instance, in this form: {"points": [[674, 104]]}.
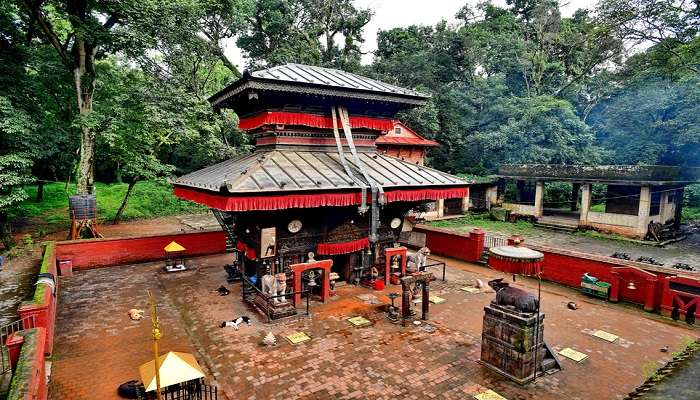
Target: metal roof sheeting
{"points": [[289, 170], [307, 74]]}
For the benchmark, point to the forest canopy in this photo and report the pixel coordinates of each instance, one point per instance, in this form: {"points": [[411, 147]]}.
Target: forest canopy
{"points": [[117, 91]]}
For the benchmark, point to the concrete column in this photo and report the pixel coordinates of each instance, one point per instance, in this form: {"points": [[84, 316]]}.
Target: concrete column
{"points": [[585, 203], [440, 208], [492, 196], [539, 197], [678, 200], [465, 204], [644, 210], [663, 207]]}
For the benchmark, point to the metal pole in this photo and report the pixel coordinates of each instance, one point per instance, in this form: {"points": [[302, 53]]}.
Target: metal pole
{"points": [[156, 336], [537, 324]]}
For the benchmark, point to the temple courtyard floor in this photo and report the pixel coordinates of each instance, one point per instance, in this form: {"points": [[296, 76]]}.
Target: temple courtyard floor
{"points": [[98, 347]]}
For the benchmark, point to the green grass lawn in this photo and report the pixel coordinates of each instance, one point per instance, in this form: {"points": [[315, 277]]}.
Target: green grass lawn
{"points": [[149, 199], [484, 222]]}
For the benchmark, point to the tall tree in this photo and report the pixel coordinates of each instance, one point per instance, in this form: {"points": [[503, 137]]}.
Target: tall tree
{"points": [[15, 163], [81, 32], [317, 32]]}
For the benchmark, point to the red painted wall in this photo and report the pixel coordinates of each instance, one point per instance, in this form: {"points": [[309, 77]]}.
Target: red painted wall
{"points": [[462, 246], [567, 267], [97, 253]]}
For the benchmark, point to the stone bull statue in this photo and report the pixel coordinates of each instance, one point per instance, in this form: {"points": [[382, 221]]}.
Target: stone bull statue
{"points": [[510, 296]]}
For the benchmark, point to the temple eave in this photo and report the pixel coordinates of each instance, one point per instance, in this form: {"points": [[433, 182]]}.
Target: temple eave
{"points": [[312, 198]]}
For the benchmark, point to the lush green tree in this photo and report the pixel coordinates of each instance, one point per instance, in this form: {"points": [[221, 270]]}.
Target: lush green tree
{"points": [[317, 32], [505, 84], [15, 163]]}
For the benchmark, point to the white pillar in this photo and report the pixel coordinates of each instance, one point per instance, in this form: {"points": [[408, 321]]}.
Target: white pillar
{"points": [[585, 203], [492, 195], [663, 207], [440, 205], [465, 204], [539, 197], [644, 210]]}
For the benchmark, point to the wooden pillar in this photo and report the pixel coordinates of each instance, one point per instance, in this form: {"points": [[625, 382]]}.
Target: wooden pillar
{"points": [[539, 199], [575, 189], [425, 301], [585, 203], [644, 210]]}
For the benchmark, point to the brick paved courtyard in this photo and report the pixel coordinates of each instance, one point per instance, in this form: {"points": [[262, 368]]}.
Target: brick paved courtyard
{"points": [[98, 347]]}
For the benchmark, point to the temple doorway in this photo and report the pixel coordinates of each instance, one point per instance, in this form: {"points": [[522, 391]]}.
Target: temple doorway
{"points": [[344, 264]]}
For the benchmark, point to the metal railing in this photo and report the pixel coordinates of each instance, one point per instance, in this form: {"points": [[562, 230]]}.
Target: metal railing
{"points": [[494, 241], [248, 287], [435, 263], [191, 390], [5, 332]]}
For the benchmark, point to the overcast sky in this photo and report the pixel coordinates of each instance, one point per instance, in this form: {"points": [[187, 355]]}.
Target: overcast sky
{"points": [[395, 13]]}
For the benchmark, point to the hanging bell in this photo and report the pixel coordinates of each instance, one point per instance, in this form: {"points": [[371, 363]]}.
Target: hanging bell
{"points": [[312, 279], [631, 286]]}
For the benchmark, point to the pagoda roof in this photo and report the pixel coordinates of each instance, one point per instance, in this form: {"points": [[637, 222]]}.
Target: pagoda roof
{"points": [[307, 79], [286, 178], [407, 137], [283, 170]]}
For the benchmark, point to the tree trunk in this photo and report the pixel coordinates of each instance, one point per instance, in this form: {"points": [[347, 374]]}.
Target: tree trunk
{"points": [[5, 231], [40, 192], [85, 80], [118, 216]]}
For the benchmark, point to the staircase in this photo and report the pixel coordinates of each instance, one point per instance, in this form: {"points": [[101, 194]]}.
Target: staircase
{"points": [[557, 223], [226, 222]]}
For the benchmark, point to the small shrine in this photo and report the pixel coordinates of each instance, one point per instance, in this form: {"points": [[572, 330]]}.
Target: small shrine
{"points": [[317, 204], [512, 339], [174, 257]]}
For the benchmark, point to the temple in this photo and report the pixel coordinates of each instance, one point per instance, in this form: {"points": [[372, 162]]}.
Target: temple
{"points": [[638, 201], [331, 179]]}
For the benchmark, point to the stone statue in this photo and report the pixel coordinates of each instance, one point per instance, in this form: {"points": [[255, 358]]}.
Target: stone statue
{"points": [[417, 260], [510, 296], [274, 286]]}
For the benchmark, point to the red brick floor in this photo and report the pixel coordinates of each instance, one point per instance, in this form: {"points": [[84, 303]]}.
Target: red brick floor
{"points": [[98, 347]]}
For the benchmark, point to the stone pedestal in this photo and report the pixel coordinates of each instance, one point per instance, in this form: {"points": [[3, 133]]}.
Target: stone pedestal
{"points": [[508, 342]]}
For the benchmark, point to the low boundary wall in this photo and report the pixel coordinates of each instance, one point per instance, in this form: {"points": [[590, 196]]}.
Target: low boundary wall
{"points": [[28, 348], [99, 253], [657, 288]]}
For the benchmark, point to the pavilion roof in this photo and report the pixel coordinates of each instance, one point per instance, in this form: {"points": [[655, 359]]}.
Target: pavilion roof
{"points": [[297, 78], [285, 171]]}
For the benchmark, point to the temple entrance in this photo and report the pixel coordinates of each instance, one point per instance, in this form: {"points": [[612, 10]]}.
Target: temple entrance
{"points": [[343, 265]]}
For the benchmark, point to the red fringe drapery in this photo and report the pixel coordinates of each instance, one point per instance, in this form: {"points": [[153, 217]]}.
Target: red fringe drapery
{"points": [[342, 248], [276, 202], [425, 194], [249, 252], [511, 266], [312, 120], [310, 200]]}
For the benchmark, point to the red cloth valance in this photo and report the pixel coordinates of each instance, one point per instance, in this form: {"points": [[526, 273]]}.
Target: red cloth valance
{"points": [[531, 268], [342, 248], [425, 194], [275, 202], [249, 252], [310, 200], [312, 120]]}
